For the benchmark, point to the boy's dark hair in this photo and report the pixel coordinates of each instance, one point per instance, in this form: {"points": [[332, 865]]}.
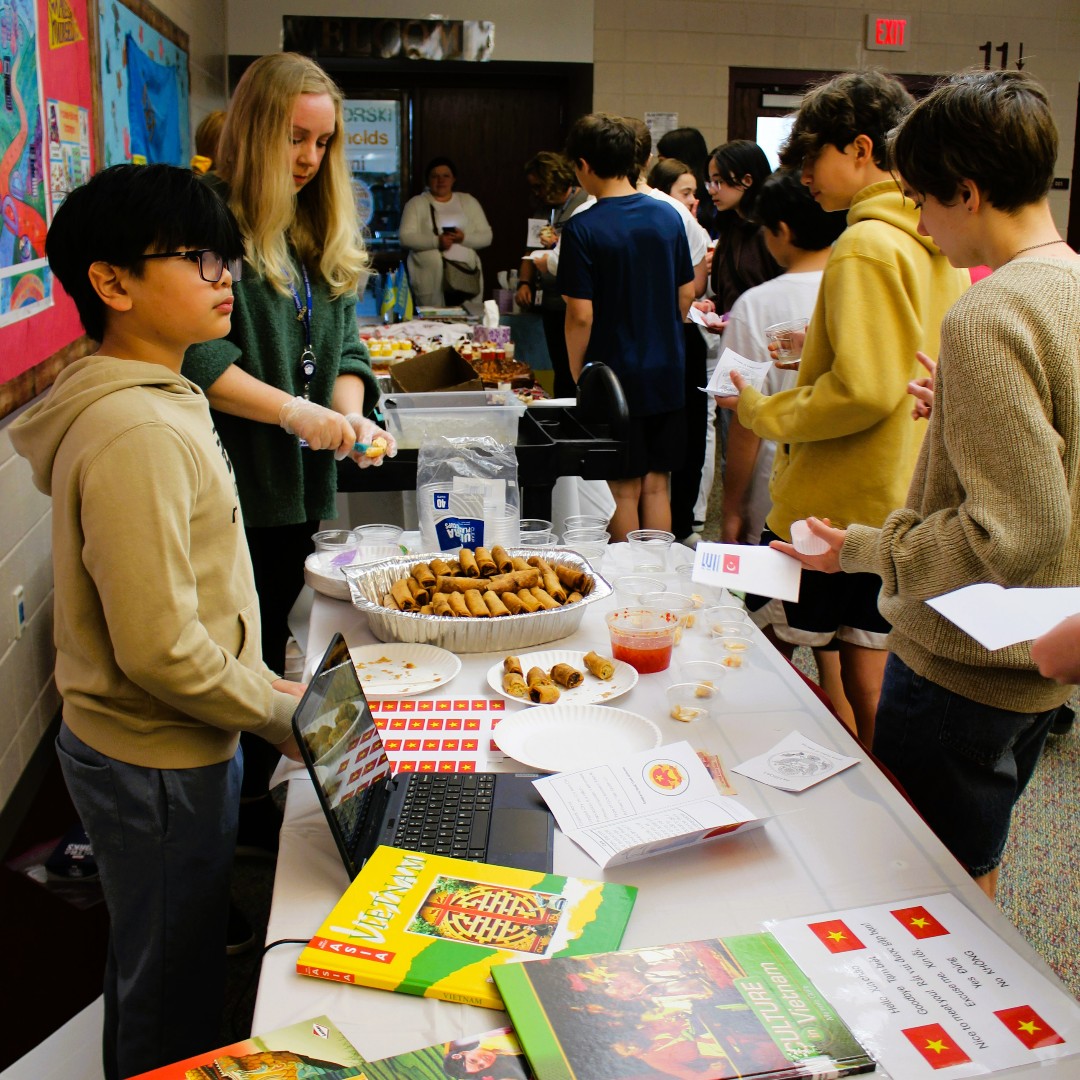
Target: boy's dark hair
{"points": [[642, 147], [785, 198], [686, 144], [992, 127], [606, 142], [834, 113], [128, 211], [554, 174], [735, 160]]}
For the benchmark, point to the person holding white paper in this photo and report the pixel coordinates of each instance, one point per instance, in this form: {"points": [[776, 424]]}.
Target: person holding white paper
{"points": [[996, 494]]}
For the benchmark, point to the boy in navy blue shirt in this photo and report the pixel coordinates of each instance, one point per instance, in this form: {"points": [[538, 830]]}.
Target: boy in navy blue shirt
{"points": [[626, 276]]}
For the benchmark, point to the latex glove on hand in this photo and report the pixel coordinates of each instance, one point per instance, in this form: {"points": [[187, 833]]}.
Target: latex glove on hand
{"points": [[319, 427], [380, 444]]}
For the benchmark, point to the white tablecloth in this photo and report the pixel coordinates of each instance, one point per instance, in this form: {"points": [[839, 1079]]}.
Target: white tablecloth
{"points": [[850, 841]]}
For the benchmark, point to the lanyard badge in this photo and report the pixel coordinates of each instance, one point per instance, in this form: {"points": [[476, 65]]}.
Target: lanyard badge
{"points": [[308, 362]]}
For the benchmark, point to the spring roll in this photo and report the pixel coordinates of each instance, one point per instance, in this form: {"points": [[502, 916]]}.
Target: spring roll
{"points": [[475, 603], [485, 562], [468, 563], [427, 609], [542, 689], [545, 598], [495, 606], [502, 559], [574, 580], [388, 601], [512, 663], [600, 666], [567, 676], [519, 579], [549, 580], [513, 603], [574, 597], [405, 599], [440, 568], [425, 575], [419, 593], [513, 682], [519, 563], [440, 604], [528, 601], [456, 601]]}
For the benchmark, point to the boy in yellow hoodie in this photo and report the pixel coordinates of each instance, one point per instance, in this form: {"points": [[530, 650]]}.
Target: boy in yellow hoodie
{"points": [[158, 658], [846, 446]]}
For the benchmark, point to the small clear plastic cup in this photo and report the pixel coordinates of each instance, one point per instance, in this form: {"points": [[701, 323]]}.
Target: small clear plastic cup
{"points": [[537, 540], [642, 638], [690, 701], [725, 619], [735, 650], [528, 525], [585, 521], [788, 337], [630, 588], [334, 547], [710, 673], [682, 607], [367, 535], [649, 549], [704, 596], [585, 534]]}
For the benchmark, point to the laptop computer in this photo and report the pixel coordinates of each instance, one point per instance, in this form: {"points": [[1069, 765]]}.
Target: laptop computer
{"points": [[484, 817]]}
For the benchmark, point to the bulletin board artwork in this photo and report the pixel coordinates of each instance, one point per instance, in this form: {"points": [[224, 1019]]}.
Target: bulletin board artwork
{"points": [[144, 85], [45, 149]]}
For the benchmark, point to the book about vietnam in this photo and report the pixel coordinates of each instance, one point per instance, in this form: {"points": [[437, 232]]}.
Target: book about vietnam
{"points": [[435, 926]]}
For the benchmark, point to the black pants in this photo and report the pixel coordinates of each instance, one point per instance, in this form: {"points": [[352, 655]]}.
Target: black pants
{"points": [[277, 557], [554, 320], [686, 482]]}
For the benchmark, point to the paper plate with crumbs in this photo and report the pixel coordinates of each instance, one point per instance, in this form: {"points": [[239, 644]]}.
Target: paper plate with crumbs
{"points": [[401, 670], [562, 738], [590, 690]]}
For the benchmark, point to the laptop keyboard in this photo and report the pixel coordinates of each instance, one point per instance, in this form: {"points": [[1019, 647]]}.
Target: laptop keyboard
{"points": [[447, 814]]}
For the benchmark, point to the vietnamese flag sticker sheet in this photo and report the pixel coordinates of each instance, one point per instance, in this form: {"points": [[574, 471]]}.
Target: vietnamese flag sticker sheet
{"points": [[439, 735], [931, 990]]}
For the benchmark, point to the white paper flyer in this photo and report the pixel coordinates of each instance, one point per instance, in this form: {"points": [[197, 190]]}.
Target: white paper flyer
{"points": [[931, 990], [646, 804]]}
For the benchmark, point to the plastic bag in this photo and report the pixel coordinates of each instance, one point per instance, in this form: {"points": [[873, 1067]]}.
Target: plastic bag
{"points": [[467, 493]]}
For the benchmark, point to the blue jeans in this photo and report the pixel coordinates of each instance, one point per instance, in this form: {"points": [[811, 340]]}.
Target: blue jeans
{"points": [[963, 764], [163, 840]]}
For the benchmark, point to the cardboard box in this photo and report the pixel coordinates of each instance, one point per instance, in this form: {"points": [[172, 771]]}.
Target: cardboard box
{"points": [[442, 369]]}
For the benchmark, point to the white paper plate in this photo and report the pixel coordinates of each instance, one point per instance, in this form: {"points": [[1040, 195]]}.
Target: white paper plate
{"points": [[325, 578], [562, 738], [400, 670], [591, 690]]}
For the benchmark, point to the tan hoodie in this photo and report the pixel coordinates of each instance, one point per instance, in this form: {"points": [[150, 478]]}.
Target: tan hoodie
{"points": [[156, 617]]}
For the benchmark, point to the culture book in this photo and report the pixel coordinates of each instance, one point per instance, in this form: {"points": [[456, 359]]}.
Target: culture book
{"points": [[714, 1009], [310, 1050], [435, 926], [494, 1054]]}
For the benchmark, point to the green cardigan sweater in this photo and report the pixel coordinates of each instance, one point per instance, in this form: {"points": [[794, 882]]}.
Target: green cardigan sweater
{"points": [[996, 492], [280, 483]]}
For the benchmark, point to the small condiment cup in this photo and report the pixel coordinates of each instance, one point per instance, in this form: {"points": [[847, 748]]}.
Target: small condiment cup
{"points": [[725, 619], [682, 607], [735, 649], [707, 672], [690, 701], [642, 638], [630, 588], [334, 547]]}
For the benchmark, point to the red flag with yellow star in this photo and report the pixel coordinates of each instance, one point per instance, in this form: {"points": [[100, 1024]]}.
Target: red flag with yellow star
{"points": [[919, 922], [1029, 1027], [936, 1046], [835, 936]]}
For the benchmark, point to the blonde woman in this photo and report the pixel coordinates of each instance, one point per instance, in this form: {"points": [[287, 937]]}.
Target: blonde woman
{"points": [[290, 386]]}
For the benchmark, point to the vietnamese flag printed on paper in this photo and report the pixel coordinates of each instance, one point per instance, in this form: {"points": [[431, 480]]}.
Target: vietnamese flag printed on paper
{"points": [[919, 922], [935, 1045], [1029, 1027], [835, 936]]}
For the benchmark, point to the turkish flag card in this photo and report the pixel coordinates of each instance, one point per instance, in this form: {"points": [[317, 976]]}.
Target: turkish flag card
{"points": [[750, 569]]}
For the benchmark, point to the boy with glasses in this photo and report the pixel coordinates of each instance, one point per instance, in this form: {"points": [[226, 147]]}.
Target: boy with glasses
{"points": [[158, 657], [846, 446]]}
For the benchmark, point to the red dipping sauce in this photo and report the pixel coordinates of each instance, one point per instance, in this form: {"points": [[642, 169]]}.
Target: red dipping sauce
{"points": [[644, 660]]}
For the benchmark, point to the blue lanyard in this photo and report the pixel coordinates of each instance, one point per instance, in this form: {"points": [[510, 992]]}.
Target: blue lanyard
{"points": [[303, 315]]}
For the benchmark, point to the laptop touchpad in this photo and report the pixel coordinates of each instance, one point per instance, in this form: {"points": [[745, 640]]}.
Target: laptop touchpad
{"points": [[521, 838]]}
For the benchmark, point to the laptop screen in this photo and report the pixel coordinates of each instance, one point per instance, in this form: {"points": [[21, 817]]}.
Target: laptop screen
{"points": [[342, 747]]}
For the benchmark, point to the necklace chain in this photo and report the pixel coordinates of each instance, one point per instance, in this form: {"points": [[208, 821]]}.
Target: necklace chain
{"points": [[1032, 247]]}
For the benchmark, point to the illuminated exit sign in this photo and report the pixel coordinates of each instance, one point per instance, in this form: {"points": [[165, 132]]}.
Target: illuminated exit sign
{"points": [[888, 32]]}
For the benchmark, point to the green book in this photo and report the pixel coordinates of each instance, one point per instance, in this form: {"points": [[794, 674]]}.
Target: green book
{"points": [[715, 1009]]}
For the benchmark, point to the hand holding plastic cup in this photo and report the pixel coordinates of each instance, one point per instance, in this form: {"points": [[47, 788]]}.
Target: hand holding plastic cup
{"points": [[786, 342], [804, 541]]}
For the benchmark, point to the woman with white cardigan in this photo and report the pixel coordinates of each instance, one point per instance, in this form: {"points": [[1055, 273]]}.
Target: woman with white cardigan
{"points": [[440, 223]]}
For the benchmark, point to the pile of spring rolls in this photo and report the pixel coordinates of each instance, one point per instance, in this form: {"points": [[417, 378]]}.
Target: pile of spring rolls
{"points": [[542, 686], [487, 584]]}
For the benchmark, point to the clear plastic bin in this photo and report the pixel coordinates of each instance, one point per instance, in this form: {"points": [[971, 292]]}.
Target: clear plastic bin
{"points": [[456, 413]]}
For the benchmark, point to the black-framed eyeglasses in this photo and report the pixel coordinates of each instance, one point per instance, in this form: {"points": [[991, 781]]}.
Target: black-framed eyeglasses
{"points": [[211, 264]]}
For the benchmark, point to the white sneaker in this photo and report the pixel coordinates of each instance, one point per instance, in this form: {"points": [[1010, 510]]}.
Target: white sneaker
{"points": [[691, 541]]}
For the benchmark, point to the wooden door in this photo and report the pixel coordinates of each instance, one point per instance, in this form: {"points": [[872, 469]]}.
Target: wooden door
{"points": [[489, 135]]}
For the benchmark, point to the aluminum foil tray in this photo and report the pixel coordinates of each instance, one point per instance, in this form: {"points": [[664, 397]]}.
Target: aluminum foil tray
{"points": [[370, 582]]}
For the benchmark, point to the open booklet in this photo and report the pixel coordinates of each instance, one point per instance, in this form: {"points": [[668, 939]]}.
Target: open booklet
{"points": [[645, 804]]}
